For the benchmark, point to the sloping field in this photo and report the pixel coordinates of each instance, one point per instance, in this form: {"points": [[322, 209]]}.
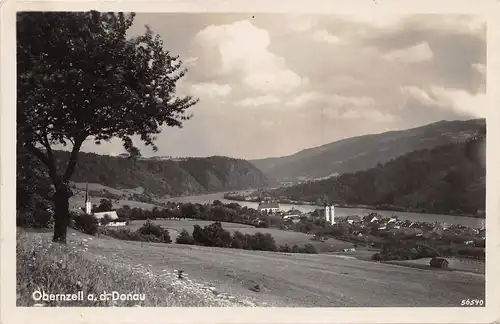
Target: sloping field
{"points": [[281, 237], [454, 264], [299, 279]]}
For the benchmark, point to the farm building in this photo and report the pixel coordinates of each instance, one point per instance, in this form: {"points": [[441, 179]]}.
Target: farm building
{"points": [[270, 207], [112, 215], [439, 263], [353, 219], [295, 218]]}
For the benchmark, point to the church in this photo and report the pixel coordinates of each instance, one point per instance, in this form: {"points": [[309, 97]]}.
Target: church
{"points": [[88, 208], [330, 213]]}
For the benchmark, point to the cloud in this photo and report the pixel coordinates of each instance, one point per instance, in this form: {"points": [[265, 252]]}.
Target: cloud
{"points": [[258, 101], [211, 89], [376, 20], [459, 101], [333, 100], [419, 95], [242, 49], [357, 114], [344, 81], [414, 54], [462, 101], [324, 36]]}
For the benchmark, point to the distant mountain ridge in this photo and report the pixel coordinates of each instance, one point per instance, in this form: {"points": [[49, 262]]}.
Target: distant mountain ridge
{"points": [[188, 176], [364, 152], [448, 179]]}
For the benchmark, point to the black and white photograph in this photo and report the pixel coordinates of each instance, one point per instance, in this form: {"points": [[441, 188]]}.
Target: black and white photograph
{"points": [[255, 160]]}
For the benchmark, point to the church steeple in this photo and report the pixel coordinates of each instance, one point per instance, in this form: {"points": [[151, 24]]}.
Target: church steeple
{"points": [[88, 205]]}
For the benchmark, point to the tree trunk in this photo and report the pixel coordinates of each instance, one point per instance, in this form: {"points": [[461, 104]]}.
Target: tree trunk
{"points": [[61, 202]]}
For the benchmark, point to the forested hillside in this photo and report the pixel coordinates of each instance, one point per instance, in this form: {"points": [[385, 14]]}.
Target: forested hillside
{"points": [[448, 179], [167, 177], [365, 152]]}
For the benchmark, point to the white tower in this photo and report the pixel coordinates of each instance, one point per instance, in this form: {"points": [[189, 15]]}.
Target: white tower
{"points": [[88, 204], [332, 214], [327, 213]]}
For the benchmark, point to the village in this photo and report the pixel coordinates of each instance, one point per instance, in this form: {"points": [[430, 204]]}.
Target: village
{"points": [[371, 231]]}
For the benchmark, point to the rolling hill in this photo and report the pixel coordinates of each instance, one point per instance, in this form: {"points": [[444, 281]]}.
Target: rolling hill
{"points": [[178, 177], [448, 179], [364, 152]]}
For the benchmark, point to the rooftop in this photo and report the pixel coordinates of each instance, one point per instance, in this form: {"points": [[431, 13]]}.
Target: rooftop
{"points": [[268, 205]]}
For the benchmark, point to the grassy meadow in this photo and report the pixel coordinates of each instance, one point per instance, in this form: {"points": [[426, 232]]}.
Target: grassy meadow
{"points": [[58, 269], [224, 277], [281, 237]]}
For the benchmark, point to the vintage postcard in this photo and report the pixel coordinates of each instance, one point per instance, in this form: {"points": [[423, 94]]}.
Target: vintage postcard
{"points": [[233, 162]]}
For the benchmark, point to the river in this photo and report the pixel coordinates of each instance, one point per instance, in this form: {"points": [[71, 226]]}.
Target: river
{"points": [[342, 212]]}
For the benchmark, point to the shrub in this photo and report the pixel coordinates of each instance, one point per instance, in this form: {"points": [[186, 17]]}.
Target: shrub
{"points": [[240, 241], [199, 235], [262, 242], [87, 224], [184, 238], [150, 228], [284, 248], [309, 248]]}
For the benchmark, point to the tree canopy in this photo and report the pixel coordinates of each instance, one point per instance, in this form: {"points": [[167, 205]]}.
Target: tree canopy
{"points": [[81, 77]]}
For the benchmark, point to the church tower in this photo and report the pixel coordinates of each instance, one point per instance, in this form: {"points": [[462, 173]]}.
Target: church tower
{"points": [[88, 204], [332, 214]]}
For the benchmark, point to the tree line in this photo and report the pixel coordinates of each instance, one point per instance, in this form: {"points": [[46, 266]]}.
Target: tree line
{"points": [[448, 179]]}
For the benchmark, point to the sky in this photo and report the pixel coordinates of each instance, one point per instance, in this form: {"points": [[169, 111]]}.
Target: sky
{"points": [[274, 84]]}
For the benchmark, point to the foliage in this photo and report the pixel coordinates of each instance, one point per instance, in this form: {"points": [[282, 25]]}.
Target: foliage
{"points": [[104, 206], [442, 180], [44, 266], [87, 224], [184, 238], [365, 152], [406, 250], [155, 230], [215, 235], [164, 177], [66, 61]]}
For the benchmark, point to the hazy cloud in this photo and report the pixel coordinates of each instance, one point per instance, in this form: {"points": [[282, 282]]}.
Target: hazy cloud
{"points": [[258, 101], [323, 35], [273, 84], [211, 89], [414, 54]]}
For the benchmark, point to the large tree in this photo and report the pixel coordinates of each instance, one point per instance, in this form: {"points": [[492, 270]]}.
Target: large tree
{"points": [[81, 77]]}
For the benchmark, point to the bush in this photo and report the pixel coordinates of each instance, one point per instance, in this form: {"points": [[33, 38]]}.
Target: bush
{"points": [[262, 242], [284, 248], [240, 241], [184, 238], [309, 248], [150, 228], [87, 224]]}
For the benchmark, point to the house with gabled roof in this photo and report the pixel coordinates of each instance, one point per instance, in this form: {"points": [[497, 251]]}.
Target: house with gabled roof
{"points": [[269, 207]]}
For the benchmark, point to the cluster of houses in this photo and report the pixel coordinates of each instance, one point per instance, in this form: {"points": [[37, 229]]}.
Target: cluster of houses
{"points": [[328, 213], [372, 220]]}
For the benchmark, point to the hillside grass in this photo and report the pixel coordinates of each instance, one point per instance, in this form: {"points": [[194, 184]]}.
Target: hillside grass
{"points": [[67, 269], [285, 279]]}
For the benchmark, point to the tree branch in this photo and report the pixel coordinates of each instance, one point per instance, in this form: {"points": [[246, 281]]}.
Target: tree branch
{"points": [[78, 141], [45, 160]]}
